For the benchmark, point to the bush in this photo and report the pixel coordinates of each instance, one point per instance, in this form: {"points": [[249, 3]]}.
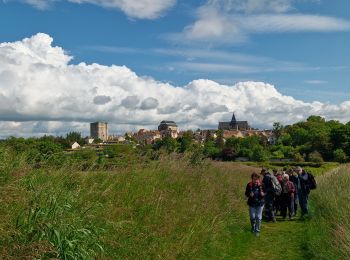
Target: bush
{"points": [[315, 157], [259, 154], [211, 150], [340, 156], [298, 157]]}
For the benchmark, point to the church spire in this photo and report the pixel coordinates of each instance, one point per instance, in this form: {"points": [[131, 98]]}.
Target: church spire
{"points": [[233, 118]]}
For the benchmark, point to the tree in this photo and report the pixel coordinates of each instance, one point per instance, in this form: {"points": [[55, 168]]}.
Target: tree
{"points": [[211, 150], [340, 137], [72, 137], [228, 154], [167, 143], [186, 141], [259, 154], [316, 119], [277, 129], [220, 139], [208, 136], [340, 156], [315, 157], [286, 139]]}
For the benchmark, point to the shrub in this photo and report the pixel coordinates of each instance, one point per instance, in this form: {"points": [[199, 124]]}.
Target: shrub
{"points": [[211, 150], [340, 156], [298, 157], [259, 154], [315, 157]]}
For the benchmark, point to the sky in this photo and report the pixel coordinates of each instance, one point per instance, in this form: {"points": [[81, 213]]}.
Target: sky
{"points": [[134, 63]]}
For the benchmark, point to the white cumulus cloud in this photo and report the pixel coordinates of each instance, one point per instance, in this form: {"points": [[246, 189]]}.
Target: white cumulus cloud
{"points": [[42, 92]]}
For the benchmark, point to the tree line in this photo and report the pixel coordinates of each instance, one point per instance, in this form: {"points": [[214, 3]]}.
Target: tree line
{"points": [[314, 140]]}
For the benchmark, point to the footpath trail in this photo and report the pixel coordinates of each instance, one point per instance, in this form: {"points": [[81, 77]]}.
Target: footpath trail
{"points": [[284, 239]]}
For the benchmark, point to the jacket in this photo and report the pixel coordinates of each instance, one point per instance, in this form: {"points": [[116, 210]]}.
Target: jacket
{"points": [[257, 200], [288, 187]]}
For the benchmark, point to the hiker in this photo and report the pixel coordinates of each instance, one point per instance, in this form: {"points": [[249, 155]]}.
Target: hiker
{"points": [[269, 190], [287, 197], [303, 189], [293, 177], [254, 192], [277, 203], [275, 172]]}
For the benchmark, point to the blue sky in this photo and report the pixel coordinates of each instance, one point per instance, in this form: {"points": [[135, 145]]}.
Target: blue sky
{"points": [[298, 46], [311, 65]]}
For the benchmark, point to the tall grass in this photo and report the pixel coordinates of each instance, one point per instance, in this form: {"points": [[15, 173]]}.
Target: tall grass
{"points": [[175, 207], [170, 208], [329, 229]]}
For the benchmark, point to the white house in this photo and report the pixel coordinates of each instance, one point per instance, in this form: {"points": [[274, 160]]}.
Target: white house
{"points": [[75, 145], [89, 140]]}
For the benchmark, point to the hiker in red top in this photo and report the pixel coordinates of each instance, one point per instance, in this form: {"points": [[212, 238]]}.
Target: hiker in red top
{"points": [[254, 192], [287, 197]]}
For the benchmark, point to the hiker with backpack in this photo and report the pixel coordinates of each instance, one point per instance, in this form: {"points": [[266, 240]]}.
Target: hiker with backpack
{"points": [[287, 197], [255, 193], [306, 182], [272, 188]]}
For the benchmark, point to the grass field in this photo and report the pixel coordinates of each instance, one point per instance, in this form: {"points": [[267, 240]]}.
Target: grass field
{"points": [[167, 209]]}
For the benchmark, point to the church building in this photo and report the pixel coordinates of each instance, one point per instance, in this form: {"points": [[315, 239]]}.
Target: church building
{"points": [[234, 125]]}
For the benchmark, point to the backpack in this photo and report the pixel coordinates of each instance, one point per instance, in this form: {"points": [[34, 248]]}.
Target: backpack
{"points": [[276, 186], [312, 182], [285, 188]]}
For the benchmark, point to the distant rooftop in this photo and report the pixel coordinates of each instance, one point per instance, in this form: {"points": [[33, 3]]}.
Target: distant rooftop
{"points": [[168, 122], [99, 122]]}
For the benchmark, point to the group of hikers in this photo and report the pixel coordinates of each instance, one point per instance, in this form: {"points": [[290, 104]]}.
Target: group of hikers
{"points": [[278, 192]]}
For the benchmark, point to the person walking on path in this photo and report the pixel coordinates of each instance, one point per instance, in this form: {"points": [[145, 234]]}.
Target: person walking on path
{"points": [[269, 195], [293, 177], [303, 190], [277, 202], [287, 197], [254, 192]]}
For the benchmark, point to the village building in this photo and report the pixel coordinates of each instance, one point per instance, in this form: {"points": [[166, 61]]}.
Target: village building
{"points": [[168, 125], [146, 136], [75, 145], [234, 125], [89, 140], [99, 130], [116, 138], [226, 134], [171, 133]]}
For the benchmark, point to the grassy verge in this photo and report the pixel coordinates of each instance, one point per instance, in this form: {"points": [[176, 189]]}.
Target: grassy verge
{"points": [[328, 234]]}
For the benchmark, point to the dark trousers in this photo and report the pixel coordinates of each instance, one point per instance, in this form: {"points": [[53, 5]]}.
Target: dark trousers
{"points": [[287, 203], [277, 204], [295, 203], [303, 199], [269, 209]]}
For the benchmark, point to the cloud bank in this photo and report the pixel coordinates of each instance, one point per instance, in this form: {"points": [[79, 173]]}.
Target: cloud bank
{"points": [[42, 92]]}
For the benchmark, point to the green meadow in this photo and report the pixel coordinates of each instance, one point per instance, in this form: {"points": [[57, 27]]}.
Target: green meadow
{"points": [[167, 208]]}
